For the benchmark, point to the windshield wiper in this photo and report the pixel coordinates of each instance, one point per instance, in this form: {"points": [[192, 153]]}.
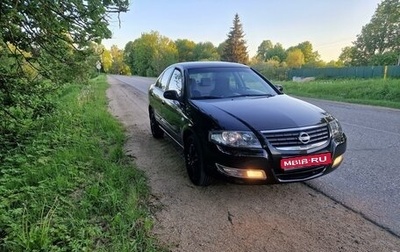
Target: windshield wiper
{"points": [[249, 95], [206, 97]]}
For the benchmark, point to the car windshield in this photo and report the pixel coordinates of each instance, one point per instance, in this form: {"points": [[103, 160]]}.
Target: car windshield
{"points": [[215, 83]]}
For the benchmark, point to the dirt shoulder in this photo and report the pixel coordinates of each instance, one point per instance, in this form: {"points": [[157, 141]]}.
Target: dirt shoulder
{"points": [[229, 217]]}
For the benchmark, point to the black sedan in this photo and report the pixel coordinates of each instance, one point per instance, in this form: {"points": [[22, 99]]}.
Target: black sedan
{"points": [[232, 122]]}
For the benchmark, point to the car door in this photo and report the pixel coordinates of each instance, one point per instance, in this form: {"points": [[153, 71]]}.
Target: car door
{"points": [[157, 98], [173, 111]]}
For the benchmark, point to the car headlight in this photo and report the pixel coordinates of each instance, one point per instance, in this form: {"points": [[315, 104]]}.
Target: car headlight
{"points": [[240, 139], [336, 129]]}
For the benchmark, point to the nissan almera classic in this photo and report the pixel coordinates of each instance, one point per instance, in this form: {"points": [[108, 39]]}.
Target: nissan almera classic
{"points": [[232, 122]]}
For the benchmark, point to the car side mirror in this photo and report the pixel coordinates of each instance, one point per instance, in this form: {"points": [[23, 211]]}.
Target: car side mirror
{"points": [[279, 87], [172, 95]]}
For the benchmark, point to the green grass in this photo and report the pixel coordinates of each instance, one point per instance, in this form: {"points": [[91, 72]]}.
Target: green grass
{"points": [[376, 92], [70, 187]]}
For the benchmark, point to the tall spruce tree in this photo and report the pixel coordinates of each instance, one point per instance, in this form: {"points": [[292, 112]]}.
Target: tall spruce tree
{"points": [[235, 49]]}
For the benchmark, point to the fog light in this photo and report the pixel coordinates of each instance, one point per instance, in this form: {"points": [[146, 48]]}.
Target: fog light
{"points": [[256, 174], [337, 161], [242, 173]]}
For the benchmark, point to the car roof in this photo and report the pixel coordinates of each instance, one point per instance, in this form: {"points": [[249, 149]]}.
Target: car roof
{"points": [[207, 64]]}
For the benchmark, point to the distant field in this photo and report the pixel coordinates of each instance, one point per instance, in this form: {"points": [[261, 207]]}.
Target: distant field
{"points": [[372, 92]]}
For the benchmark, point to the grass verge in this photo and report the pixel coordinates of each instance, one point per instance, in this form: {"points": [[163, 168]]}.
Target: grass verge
{"points": [[376, 92], [70, 187]]}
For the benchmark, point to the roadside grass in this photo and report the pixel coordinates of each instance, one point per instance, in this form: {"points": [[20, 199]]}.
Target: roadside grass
{"points": [[70, 187], [376, 92]]}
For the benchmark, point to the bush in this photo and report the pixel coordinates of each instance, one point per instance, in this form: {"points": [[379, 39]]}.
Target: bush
{"points": [[271, 70]]}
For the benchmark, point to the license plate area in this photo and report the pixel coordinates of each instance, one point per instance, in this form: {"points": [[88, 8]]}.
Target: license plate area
{"points": [[302, 162]]}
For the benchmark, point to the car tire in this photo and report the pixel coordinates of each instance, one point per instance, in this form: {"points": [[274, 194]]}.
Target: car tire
{"points": [[156, 131], [194, 162]]}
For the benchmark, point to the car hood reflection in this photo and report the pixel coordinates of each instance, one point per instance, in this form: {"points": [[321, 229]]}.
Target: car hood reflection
{"points": [[264, 113]]}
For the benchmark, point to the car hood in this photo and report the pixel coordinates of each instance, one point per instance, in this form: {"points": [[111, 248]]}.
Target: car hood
{"points": [[262, 113]]}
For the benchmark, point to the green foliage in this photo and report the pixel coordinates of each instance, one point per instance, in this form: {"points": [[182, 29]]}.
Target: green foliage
{"points": [[118, 65], [301, 55], [372, 91], [28, 26], [235, 49], [44, 45], [263, 48], [205, 51], [385, 59], [23, 97], [272, 69], [69, 187], [347, 55], [106, 60], [185, 49], [311, 58], [221, 47], [58, 38], [276, 53], [379, 40], [165, 54], [295, 58], [150, 54], [333, 63], [268, 51]]}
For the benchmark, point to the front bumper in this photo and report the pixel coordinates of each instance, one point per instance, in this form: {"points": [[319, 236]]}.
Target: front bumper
{"points": [[263, 165]]}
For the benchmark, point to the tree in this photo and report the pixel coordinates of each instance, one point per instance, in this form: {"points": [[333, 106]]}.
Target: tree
{"points": [[236, 49], [106, 60], [205, 51], [139, 53], [129, 54], [347, 55], [150, 54], [54, 39], [165, 55], [118, 65], [263, 48], [295, 58], [51, 35], [311, 58], [384, 59], [379, 40], [102, 55], [333, 63], [277, 53], [268, 51], [221, 48], [185, 49]]}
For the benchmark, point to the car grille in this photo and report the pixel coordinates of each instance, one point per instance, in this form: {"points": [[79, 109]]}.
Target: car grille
{"points": [[289, 139], [300, 175]]}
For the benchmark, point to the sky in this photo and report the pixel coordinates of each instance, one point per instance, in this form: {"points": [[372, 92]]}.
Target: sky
{"points": [[329, 25]]}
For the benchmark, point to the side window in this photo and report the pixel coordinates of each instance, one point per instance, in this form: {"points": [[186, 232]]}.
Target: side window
{"points": [[232, 82], [163, 80], [176, 81], [252, 81]]}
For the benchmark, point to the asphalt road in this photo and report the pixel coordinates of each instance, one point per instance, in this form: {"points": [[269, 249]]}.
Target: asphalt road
{"points": [[369, 179], [368, 182]]}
